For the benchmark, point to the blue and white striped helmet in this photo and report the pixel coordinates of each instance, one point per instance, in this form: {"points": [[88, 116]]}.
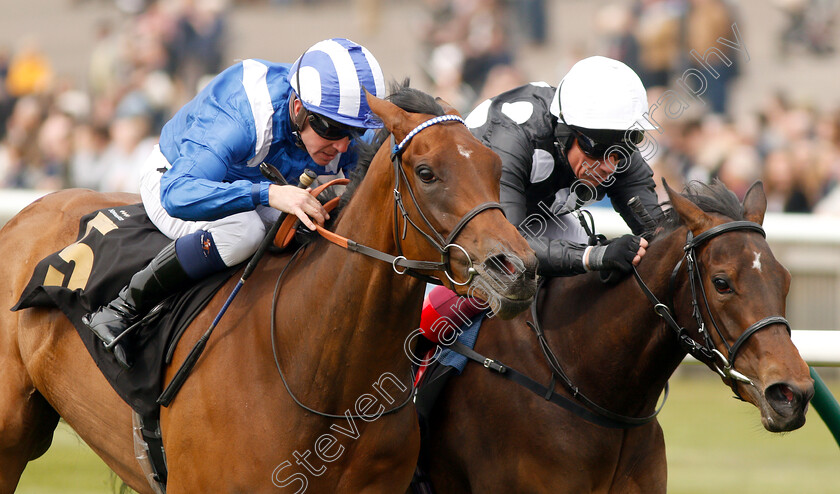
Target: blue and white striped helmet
{"points": [[332, 76]]}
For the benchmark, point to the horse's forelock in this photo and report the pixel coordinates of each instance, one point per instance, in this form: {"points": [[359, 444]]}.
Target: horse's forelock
{"points": [[712, 198], [410, 100]]}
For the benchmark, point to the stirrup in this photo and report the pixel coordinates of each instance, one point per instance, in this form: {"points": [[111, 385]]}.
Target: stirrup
{"points": [[148, 318]]}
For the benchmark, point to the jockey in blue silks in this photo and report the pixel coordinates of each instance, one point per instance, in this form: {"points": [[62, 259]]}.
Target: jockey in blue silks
{"points": [[203, 187]]}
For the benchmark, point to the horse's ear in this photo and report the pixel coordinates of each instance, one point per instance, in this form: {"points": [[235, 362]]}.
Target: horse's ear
{"points": [[755, 203], [449, 109], [692, 216], [392, 116]]}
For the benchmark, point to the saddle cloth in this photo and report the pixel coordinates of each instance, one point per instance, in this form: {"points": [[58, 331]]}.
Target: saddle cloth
{"points": [[112, 245]]}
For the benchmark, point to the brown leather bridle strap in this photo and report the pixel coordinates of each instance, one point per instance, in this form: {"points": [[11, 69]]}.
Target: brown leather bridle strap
{"points": [[400, 263]]}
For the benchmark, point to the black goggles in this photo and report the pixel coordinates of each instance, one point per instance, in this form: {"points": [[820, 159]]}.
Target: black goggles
{"points": [[608, 142], [330, 129]]}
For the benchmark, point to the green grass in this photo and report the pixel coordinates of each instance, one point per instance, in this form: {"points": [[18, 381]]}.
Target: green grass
{"points": [[715, 444], [68, 467]]}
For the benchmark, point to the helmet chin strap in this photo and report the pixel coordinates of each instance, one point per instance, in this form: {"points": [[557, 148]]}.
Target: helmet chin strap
{"points": [[562, 137], [297, 121]]}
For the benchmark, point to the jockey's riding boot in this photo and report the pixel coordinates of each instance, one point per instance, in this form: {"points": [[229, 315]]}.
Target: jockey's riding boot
{"points": [[162, 277]]}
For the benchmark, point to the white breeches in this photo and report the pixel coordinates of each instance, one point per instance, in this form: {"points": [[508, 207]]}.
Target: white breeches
{"points": [[236, 236]]}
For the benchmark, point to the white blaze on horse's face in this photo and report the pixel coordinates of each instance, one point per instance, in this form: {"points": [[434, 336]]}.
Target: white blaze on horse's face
{"points": [[757, 261], [466, 153]]}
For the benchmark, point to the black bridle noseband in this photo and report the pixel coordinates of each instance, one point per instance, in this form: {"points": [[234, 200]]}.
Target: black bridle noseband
{"points": [[707, 352]]}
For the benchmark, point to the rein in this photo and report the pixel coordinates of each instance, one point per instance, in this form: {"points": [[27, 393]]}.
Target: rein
{"points": [[400, 264], [589, 411], [443, 245], [557, 371], [272, 327], [706, 352]]}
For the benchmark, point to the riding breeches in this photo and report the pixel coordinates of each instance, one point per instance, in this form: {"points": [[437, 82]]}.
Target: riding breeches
{"points": [[237, 236]]}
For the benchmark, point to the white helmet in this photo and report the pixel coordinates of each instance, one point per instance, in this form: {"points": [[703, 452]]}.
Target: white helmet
{"points": [[602, 93]]}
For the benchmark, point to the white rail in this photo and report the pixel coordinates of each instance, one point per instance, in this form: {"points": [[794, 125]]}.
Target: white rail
{"points": [[817, 347], [809, 244], [780, 228], [13, 200]]}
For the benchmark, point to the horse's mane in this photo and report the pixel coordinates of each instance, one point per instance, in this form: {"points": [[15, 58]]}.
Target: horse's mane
{"points": [[712, 198], [410, 100]]}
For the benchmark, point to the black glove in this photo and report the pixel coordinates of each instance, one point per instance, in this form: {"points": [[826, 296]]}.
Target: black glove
{"points": [[617, 255]]}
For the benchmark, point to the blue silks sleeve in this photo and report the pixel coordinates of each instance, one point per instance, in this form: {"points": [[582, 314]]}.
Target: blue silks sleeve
{"points": [[194, 188]]}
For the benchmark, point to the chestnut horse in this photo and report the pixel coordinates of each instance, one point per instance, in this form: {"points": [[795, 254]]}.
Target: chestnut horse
{"points": [[488, 434], [339, 323]]}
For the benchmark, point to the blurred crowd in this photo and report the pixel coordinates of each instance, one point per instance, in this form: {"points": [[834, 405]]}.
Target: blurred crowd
{"points": [[469, 47], [793, 147], [470, 54], [56, 132]]}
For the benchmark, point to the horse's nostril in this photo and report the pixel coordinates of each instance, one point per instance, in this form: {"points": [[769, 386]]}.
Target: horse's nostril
{"points": [[784, 398], [787, 393]]}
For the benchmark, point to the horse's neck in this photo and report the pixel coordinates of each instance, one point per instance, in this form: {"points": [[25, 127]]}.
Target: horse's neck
{"points": [[610, 341], [362, 310]]}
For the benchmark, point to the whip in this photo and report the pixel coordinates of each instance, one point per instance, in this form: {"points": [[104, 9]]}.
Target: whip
{"points": [[175, 384]]}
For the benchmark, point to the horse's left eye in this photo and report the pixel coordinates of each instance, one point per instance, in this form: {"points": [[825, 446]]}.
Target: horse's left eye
{"points": [[721, 285], [425, 174]]}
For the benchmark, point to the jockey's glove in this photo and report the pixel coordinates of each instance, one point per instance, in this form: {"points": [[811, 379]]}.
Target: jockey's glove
{"points": [[617, 255]]}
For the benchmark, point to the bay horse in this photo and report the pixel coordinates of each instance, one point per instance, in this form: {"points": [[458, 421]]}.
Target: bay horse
{"points": [[341, 319], [488, 434]]}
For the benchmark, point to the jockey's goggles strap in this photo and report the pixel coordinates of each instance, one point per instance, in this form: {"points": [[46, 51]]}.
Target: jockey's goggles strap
{"points": [[399, 148]]}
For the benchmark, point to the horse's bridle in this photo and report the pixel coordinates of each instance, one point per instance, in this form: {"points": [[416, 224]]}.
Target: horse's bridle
{"points": [[707, 352], [443, 245]]}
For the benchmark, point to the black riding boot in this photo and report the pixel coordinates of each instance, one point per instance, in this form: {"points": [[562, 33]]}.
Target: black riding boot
{"points": [[161, 278]]}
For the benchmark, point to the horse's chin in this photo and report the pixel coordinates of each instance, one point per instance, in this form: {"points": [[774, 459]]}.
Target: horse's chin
{"points": [[513, 301], [776, 423], [509, 308]]}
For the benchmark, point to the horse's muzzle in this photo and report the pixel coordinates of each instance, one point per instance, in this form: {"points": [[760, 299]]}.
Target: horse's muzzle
{"points": [[507, 282], [787, 404]]}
